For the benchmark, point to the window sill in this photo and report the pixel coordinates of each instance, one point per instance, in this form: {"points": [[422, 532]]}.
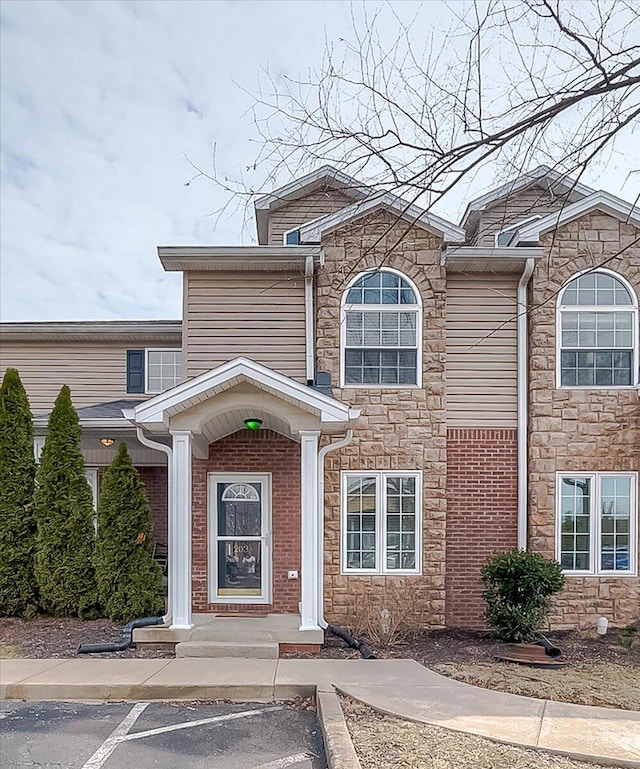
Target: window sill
{"points": [[374, 573], [601, 574], [598, 387], [386, 388]]}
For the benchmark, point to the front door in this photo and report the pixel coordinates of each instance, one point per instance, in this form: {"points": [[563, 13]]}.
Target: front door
{"points": [[239, 538]]}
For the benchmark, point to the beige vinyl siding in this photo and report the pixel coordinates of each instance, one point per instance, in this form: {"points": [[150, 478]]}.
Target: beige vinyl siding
{"points": [[316, 204], [259, 315], [481, 362], [96, 372], [515, 208]]}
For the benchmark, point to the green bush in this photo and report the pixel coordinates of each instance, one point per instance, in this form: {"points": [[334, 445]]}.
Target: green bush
{"points": [[64, 516], [17, 525], [518, 585], [129, 580]]}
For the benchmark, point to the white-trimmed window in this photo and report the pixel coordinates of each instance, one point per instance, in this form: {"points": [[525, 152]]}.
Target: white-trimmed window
{"points": [[164, 369], [597, 332], [381, 331], [597, 522], [381, 522]]}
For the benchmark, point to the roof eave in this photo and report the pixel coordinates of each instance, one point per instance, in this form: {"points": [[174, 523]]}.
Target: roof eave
{"points": [[261, 258], [600, 200], [313, 231]]}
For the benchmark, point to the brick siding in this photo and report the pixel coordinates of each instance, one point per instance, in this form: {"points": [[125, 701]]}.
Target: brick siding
{"points": [[260, 452], [482, 509], [155, 484]]}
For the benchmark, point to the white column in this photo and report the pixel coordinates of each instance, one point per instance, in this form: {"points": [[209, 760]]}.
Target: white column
{"points": [[309, 529], [180, 532]]}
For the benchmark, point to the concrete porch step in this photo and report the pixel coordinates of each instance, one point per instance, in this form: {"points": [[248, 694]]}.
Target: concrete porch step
{"points": [[244, 649]]}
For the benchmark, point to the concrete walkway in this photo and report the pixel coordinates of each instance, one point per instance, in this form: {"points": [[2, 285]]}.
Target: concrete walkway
{"points": [[402, 688]]}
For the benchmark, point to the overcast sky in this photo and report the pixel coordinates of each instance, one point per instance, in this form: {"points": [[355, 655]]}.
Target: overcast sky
{"points": [[102, 101]]}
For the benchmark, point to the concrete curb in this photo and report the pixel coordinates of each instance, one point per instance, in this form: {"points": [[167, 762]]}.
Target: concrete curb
{"points": [[338, 747]]}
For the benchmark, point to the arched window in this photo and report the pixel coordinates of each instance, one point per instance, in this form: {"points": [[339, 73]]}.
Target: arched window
{"points": [[381, 331], [598, 331]]}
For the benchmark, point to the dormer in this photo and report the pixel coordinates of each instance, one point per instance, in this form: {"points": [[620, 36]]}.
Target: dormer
{"points": [[319, 193], [489, 219]]}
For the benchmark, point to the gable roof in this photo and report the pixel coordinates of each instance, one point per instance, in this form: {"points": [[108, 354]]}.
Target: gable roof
{"points": [[313, 231], [325, 176], [545, 175], [157, 410], [600, 201]]}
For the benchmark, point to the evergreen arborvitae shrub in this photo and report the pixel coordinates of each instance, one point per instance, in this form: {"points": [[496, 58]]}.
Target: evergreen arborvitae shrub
{"points": [[17, 525], [129, 580], [64, 515], [518, 585]]}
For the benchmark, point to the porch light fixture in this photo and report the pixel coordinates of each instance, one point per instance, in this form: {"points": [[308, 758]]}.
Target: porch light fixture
{"points": [[107, 441], [253, 424]]}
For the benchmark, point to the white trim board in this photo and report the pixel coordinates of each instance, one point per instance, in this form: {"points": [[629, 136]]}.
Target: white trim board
{"points": [[313, 231], [597, 201], [157, 410]]}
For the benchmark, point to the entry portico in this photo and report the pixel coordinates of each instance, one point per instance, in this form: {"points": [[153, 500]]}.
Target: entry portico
{"points": [[196, 415]]}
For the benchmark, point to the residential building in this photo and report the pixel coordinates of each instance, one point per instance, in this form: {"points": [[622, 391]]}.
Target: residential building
{"points": [[425, 394]]}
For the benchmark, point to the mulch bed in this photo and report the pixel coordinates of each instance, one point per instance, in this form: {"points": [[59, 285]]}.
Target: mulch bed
{"points": [[46, 637], [435, 647]]}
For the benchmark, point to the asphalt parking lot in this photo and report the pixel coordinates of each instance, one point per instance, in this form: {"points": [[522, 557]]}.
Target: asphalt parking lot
{"points": [[69, 735]]}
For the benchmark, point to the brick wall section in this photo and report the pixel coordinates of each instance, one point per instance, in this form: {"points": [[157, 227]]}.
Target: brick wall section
{"points": [[482, 510], [579, 430], [399, 429], [155, 484], [260, 452]]}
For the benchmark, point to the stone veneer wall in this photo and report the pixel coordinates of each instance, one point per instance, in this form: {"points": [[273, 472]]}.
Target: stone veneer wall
{"points": [[400, 429], [482, 514], [578, 430], [245, 452]]}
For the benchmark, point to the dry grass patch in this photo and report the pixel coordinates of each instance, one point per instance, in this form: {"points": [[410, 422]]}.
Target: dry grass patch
{"points": [[382, 742], [10, 651], [605, 684]]}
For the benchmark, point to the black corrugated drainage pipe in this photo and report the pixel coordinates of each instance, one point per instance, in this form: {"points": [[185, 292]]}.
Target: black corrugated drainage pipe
{"points": [[352, 643], [127, 637]]}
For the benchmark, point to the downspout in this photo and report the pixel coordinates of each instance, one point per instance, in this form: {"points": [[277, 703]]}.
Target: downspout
{"points": [[308, 320], [321, 455], [166, 620], [523, 401]]}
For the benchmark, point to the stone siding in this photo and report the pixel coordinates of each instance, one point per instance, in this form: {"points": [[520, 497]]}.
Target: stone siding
{"points": [[579, 430], [400, 429]]}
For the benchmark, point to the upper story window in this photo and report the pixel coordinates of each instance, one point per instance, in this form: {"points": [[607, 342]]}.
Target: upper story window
{"points": [[381, 331], [598, 332], [164, 370], [153, 370]]}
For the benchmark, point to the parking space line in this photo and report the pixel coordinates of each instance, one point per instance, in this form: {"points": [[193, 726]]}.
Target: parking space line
{"points": [[199, 722], [98, 759], [283, 763]]}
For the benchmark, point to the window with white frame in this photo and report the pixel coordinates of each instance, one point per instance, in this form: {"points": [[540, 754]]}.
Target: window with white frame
{"points": [[164, 369], [381, 332], [597, 523], [381, 516], [598, 332]]}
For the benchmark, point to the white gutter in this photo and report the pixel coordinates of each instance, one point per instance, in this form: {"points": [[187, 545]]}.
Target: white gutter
{"points": [[308, 320], [321, 455], [523, 402], [169, 452]]}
